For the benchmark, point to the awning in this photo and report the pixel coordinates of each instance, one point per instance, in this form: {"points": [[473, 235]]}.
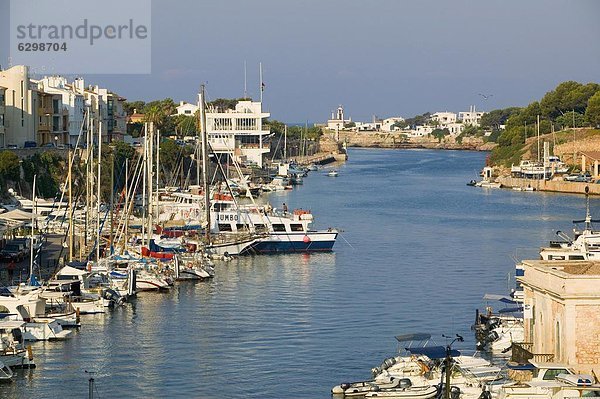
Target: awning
{"points": [[413, 337]]}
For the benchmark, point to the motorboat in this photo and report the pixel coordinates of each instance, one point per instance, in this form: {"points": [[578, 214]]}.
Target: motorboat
{"points": [[472, 183], [332, 173], [13, 352], [6, 374], [192, 267]]}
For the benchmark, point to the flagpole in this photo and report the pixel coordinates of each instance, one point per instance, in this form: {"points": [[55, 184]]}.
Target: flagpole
{"points": [[245, 82], [261, 81]]}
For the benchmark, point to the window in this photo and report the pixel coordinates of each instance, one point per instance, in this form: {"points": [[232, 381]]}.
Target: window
{"points": [[296, 227], [278, 227], [551, 374], [241, 227], [259, 227], [55, 107], [576, 257], [225, 227], [187, 112]]}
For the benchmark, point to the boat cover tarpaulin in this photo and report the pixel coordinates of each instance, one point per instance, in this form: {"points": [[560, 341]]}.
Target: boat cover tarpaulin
{"points": [[433, 352], [413, 337], [18, 215], [519, 366]]}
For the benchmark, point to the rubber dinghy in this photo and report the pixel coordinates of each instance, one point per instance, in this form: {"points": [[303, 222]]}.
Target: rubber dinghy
{"points": [[405, 390], [363, 387]]}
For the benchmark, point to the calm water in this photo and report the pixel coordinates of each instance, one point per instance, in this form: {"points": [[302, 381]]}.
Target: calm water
{"points": [[418, 251]]}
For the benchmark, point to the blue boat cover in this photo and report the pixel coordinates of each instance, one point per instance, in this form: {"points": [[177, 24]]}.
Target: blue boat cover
{"points": [[511, 310], [433, 352], [413, 337]]}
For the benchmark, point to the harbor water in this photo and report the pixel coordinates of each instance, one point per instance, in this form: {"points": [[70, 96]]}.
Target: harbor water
{"points": [[418, 251]]}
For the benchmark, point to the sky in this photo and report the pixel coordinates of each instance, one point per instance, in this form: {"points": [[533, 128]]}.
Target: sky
{"points": [[375, 57]]}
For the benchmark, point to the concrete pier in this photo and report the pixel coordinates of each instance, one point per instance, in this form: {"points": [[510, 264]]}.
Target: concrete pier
{"points": [[559, 186]]}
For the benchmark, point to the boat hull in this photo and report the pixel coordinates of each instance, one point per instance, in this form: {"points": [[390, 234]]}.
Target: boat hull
{"points": [[293, 242]]}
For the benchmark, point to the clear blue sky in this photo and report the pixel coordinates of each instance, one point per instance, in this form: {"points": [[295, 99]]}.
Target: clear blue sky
{"points": [[383, 57]]}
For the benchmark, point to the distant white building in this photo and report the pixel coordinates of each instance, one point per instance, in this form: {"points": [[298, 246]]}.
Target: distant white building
{"points": [[455, 128], [186, 109], [420, 131], [387, 125], [444, 118], [337, 121], [471, 117], [368, 126]]}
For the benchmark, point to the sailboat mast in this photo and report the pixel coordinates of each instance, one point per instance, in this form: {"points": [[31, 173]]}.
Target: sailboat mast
{"points": [[285, 142], [70, 207], [144, 180], [150, 181], [205, 163], [31, 245], [98, 191]]}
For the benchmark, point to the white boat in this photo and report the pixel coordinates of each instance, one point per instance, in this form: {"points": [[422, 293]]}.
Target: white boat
{"points": [[332, 173], [13, 352], [253, 229], [551, 381], [190, 267]]}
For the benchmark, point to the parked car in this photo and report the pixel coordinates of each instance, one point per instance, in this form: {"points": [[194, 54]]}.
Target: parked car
{"points": [[12, 146], [30, 144], [579, 178], [48, 145], [13, 251]]}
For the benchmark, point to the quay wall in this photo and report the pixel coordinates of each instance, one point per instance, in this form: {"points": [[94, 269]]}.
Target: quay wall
{"points": [[399, 140], [559, 186]]}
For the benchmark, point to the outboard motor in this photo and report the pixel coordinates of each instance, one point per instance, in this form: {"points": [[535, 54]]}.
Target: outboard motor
{"points": [[17, 335], [454, 392], [113, 296], [405, 383]]}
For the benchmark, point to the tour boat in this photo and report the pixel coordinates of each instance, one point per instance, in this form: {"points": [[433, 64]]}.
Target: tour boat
{"points": [[254, 229]]}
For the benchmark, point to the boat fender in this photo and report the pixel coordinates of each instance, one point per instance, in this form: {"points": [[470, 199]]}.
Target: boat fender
{"points": [[306, 239], [29, 353]]}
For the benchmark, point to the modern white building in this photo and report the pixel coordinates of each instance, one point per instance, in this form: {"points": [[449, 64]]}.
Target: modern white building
{"points": [[444, 118], [186, 109], [239, 132], [471, 117], [337, 121]]}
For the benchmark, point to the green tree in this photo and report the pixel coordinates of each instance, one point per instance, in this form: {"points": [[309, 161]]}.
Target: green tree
{"points": [[440, 134], [160, 113], [592, 113], [134, 105], [10, 168], [493, 119], [186, 125], [567, 96], [566, 121], [419, 119]]}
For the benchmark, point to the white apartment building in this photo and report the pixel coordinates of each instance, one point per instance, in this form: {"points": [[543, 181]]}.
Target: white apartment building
{"points": [[444, 118], [72, 101], [107, 107], [2, 97], [471, 117], [21, 106], [239, 133], [186, 109]]}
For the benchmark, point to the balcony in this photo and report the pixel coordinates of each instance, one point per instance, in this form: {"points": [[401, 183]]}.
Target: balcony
{"points": [[522, 353]]}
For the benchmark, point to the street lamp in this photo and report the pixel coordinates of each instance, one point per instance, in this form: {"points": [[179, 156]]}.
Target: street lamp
{"points": [[56, 141]]}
